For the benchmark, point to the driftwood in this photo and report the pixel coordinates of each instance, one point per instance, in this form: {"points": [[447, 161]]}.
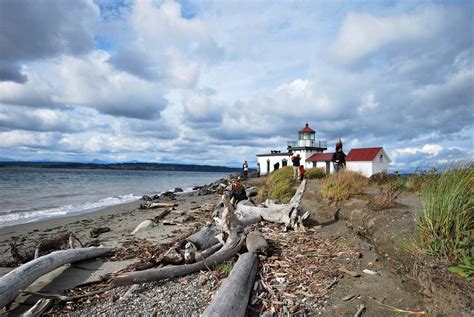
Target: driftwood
{"points": [[23, 276], [68, 298], [161, 214], [256, 243], [143, 225], [229, 250], [96, 232], [151, 205], [288, 214], [39, 308], [233, 296]]}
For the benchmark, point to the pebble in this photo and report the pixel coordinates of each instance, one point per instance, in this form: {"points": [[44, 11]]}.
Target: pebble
{"points": [[182, 296]]}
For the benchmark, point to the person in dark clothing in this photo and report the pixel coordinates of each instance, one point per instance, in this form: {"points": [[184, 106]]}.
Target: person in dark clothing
{"points": [[245, 169], [339, 157], [295, 159], [276, 166], [258, 169], [237, 193]]}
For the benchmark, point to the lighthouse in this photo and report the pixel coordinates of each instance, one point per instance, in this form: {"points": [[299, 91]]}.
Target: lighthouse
{"points": [[305, 146]]}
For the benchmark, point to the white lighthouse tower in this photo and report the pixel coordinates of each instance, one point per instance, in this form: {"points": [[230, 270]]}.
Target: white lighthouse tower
{"points": [[305, 146]]}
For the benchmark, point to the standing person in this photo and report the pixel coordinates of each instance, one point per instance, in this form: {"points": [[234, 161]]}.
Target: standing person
{"points": [[295, 159], [339, 157], [301, 173], [258, 169], [245, 168]]}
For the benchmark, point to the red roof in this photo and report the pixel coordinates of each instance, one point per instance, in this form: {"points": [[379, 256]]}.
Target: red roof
{"points": [[306, 129], [318, 157], [364, 154]]}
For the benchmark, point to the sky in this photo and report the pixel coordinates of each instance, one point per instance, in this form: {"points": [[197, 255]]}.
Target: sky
{"points": [[217, 82]]}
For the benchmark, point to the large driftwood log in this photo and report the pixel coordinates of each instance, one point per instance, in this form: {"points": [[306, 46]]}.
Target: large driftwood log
{"points": [[279, 213], [229, 250], [23, 276], [233, 296]]}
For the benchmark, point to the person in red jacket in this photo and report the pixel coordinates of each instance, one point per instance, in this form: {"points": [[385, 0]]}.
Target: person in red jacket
{"points": [[301, 173]]}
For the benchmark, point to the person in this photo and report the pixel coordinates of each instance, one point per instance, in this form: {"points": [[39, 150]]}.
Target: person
{"points": [[276, 166], [237, 193], [295, 159], [301, 172], [339, 157], [258, 169], [245, 168]]}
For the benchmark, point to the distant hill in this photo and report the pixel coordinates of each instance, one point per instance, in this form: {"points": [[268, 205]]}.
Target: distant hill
{"points": [[123, 166]]}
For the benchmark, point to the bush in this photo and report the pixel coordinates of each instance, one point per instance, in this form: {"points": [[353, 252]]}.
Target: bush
{"points": [[388, 193], [446, 227], [382, 178], [342, 185], [315, 173], [279, 185]]}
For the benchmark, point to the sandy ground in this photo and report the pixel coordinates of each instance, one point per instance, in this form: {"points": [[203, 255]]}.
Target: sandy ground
{"points": [[190, 213], [371, 237]]}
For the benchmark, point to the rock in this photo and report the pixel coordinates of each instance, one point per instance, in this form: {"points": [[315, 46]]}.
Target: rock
{"points": [[146, 198], [94, 233], [178, 190]]}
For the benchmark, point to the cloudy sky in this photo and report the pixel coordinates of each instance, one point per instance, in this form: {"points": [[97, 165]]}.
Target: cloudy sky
{"points": [[216, 82]]}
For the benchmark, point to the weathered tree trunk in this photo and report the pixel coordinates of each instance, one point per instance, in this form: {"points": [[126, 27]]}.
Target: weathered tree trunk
{"points": [[233, 296], [227, 251], [26, 274], [204, 238], [279, 213]]}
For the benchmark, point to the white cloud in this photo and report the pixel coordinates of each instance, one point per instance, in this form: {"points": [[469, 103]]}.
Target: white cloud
{"points": [[362, 34]]}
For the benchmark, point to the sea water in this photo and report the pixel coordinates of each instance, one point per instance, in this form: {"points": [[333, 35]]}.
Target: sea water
{"points": [[32, 194]]}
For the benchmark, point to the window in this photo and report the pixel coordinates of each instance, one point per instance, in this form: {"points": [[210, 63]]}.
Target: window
{"points": [[381, 158]]}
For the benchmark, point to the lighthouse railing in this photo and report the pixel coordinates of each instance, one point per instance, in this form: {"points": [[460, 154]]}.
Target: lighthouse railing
{"points": [[307, 143]]}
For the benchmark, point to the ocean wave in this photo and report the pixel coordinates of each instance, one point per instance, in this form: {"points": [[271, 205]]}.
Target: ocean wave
{"points": [[19, 217]]}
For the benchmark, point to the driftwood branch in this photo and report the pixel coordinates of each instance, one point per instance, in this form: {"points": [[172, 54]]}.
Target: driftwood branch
{"points": [[233, 296], [65, 298], [229, 250], [39, 308], [23, 276]]}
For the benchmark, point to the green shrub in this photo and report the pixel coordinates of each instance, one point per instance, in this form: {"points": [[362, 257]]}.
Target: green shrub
{"points": [[279, 185], [342, 185], [315, 173], [446, 226]]}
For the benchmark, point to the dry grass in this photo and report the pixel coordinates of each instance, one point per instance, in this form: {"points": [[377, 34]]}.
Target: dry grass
{"points": [[280, 185], [340, 186], [315, 173]]}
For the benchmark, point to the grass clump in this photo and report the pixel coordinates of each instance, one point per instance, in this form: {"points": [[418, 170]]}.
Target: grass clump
{"points": [[279, 186], [415, 182], [315, 173], [388, 193], [446, 226], [342, 185]]}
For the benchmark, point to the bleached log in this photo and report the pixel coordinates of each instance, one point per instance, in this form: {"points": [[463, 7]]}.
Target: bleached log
{"points": [[228, 251], [279, 213], [144, 225], [23, 276], [233, 296]]}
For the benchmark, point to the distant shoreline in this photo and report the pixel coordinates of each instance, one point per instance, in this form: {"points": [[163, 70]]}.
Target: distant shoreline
{"points": [[122, 166]]}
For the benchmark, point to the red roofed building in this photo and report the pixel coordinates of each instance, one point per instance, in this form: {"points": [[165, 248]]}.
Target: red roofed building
{"points": [[368, 161]]}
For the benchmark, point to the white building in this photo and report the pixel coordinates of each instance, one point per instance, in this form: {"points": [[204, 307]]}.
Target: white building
{"points": [[367, 161], [306, 146]]}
